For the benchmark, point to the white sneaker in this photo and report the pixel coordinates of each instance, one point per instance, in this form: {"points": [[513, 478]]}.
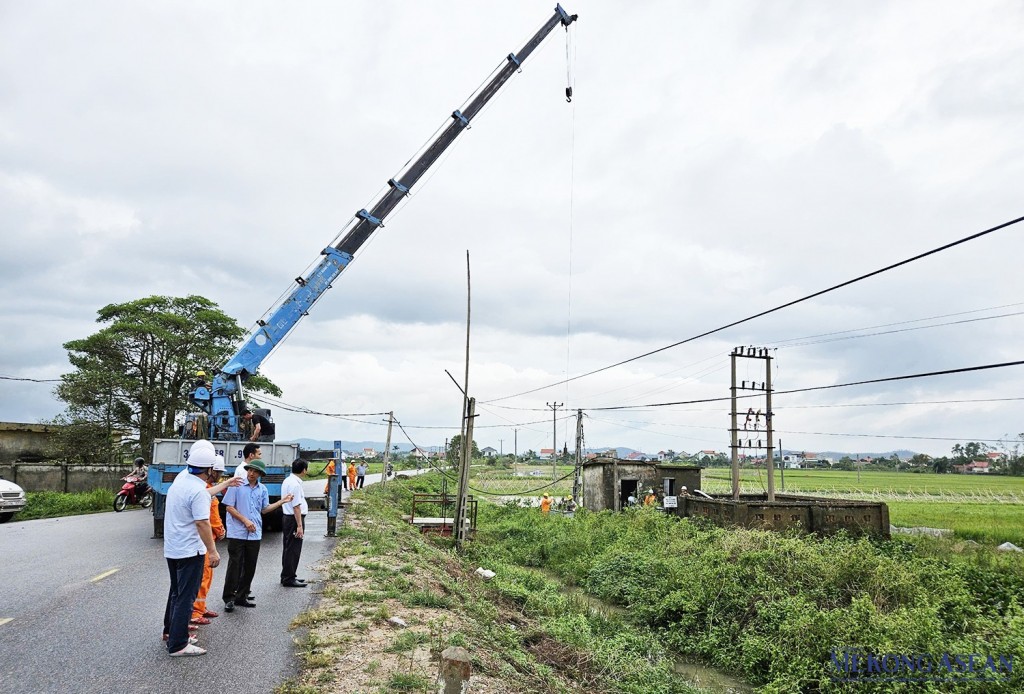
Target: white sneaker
{"points": [[188, 650]]}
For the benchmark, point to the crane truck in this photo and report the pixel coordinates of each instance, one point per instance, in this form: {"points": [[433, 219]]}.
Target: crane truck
{"points": [[222, 403]]}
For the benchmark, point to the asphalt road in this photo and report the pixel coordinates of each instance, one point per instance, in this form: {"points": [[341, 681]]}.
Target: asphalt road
{"points": [[82, 602]]}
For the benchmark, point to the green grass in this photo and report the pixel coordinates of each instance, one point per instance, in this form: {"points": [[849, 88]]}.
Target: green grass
{"points": [[869, 482], [55, 504], [771, 607], [989, 523]]}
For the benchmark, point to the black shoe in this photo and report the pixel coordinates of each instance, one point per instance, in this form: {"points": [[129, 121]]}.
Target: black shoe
{"points": [[293, 584], [293, 580], [250, 597], [244, 603], [229, 606]]}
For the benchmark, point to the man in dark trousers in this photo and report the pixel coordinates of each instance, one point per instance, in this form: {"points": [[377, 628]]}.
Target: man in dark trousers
{"points": [[246, 507], [293, 525], [187, 540], [262, 428]]}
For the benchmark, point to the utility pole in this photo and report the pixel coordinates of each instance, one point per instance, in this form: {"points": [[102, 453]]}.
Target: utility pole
{"points": [[459, 530], [579, 457], [515, 455], [782, 467], [734, 444], [387, 449], [753, 418], [554, 437], [501, 448]]}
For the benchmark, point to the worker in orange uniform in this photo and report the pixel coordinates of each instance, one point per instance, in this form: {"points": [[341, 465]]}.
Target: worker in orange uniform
{"points": [[545, 504], [351, 475], [201, 615], [329, 470], [650, 499]]}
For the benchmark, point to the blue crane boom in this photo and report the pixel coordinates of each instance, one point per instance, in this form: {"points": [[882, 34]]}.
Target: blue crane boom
{"points": [[223, 401]]}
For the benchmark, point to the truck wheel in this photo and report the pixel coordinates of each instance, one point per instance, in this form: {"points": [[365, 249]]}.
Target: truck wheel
{"points": [[120, 502], [147, 500], [4, 517]]}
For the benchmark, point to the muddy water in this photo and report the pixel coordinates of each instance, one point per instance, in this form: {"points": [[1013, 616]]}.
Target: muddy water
{"points": [[710, 679]]}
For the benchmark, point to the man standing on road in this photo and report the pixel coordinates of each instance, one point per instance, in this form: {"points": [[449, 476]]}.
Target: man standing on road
{"points": [[293, 525], [187, 540], [360, 474], [250, 452], [352, 475], [246, 507], [200, 614]]}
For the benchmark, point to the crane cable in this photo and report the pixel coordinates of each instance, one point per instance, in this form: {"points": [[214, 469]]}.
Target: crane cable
{"points": [[570, 59]]}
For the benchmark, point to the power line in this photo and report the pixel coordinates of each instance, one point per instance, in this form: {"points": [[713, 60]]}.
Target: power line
{"points": [[905, 322], [893, 266], [805, 390], [32, 380]]}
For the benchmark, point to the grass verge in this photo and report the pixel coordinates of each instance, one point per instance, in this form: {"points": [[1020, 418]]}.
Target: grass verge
{"points": [[54, 504], [523, 632]]}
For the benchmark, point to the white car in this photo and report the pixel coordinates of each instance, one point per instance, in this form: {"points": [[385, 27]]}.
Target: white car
{"points": [[12, 500]]}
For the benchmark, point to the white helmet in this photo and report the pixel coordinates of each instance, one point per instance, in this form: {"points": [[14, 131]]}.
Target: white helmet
{"points": [[201, 454], [218, 463]]}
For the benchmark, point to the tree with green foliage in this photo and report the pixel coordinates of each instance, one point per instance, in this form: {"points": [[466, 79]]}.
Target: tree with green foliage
{"points": [[969, 452], [920, 460], [133, 375], [844, 463], [455, 450]]}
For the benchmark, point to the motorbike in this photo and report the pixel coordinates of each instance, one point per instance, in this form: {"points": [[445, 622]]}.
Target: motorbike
{"points": [[135, 491]]}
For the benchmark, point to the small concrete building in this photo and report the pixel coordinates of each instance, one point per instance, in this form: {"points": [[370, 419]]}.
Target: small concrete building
{"points": [[29, 442], [609, 482]]}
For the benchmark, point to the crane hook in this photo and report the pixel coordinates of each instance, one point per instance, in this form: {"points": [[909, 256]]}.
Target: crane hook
{"points": [[568, 95]]}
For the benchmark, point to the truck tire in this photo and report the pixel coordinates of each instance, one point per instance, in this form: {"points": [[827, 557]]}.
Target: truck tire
{"points": [[4, 517]]}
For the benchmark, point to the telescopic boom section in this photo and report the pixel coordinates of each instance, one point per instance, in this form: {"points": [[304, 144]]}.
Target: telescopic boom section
{"points": [[223, 400]]}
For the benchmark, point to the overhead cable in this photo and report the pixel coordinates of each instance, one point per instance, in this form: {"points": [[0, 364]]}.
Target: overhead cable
{"points": [[833, 288]]}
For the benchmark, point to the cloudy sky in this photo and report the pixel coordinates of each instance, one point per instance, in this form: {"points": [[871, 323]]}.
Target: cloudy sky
{"points": [[718, 160]]}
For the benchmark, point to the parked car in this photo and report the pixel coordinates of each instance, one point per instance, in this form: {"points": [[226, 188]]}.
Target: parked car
{"points": [[12, 500]]}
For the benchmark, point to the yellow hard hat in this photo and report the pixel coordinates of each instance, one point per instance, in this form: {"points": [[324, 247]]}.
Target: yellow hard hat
{"points": [[200, 373]]}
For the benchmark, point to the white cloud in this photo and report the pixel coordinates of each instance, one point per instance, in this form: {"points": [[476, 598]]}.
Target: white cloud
{"points": [[717, 160]]}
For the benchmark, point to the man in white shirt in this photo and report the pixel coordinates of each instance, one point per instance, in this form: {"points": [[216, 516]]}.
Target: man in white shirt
{"points": [[293, 525], [251, 452], [187, 540]]}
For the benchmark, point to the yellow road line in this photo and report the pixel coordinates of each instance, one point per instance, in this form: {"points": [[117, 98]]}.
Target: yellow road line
{"points": [[103, 575]]}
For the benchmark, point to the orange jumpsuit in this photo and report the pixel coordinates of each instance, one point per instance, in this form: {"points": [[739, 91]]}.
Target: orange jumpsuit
{"points": [[329, 470], [351, 476], [217, 525], [545, 505]]}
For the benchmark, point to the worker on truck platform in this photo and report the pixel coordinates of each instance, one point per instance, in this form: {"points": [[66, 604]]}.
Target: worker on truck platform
{"points": [[263, 428]]}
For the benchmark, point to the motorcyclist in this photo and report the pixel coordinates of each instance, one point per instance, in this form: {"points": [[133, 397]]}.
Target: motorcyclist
{"points": [[138, 475]]}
